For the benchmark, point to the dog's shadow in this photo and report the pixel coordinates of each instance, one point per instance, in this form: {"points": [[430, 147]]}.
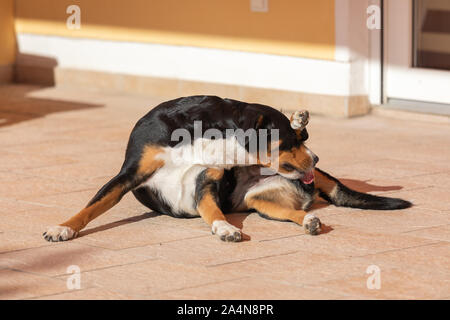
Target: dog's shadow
{"points": [[364, 186], [119, 223], [237, 219]]}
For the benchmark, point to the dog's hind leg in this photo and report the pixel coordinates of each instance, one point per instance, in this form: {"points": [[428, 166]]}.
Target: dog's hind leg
{"points": [[109, 195], [273, 210], [332, 190], [207, 203]]}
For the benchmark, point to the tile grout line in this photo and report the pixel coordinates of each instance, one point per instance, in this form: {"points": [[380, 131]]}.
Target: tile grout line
{"points": [[24, 249], [59, 276], [281, 238], [201, 285], [33, 273], [135, 247], [426, 228], [252, 259], [398, 249]]}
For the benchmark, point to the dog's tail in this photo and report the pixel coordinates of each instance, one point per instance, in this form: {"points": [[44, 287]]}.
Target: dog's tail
{"points": [[332, 190]]}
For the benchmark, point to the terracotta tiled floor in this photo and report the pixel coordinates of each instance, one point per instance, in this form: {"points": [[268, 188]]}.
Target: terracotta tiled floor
{"points": [[59, 145]]}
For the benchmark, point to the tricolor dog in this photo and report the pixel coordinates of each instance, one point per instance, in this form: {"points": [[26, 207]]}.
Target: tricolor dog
{"points": [[206, 156]]}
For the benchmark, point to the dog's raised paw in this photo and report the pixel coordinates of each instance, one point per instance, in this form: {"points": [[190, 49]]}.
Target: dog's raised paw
{"points": [[311, 224], [226, 231], [59, 233], [299, 119]]}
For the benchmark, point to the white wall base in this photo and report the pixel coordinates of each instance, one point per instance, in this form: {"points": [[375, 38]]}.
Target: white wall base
{"points": [[194, 64]]}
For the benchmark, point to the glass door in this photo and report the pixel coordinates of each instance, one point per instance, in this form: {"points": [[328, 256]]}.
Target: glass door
{"points": [[417, 53]]}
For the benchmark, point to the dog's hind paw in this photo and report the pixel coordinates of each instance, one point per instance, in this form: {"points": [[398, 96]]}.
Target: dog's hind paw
{"points": [[59, 233], [226, 231], [311, 224], [299, 119]]}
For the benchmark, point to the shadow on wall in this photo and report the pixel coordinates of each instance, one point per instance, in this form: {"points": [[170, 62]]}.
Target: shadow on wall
{"points": [[34, 69]]}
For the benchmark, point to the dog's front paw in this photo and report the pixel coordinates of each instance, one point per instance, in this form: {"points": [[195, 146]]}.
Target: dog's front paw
{"points": [[311, 224], [226, 231], [59, 233]]}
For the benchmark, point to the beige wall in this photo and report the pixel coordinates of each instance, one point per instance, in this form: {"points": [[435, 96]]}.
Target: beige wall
{"points": [[7, 36], [302, 28]]}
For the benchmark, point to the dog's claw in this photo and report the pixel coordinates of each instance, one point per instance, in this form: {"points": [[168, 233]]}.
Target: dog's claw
{"points": [[59, 233]]}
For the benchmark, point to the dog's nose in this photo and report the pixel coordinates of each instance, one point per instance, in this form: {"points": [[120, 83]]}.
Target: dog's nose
{"points": [[315, 159]]}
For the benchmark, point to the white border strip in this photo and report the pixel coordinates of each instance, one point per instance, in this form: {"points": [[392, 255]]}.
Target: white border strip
{"points": [[193, 63]]}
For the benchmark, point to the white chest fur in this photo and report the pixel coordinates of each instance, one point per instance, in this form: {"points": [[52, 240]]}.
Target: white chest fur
{"points": [[176, 180], [176, 185]]}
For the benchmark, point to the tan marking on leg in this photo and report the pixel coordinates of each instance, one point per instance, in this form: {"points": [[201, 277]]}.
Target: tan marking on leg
{"points": [[207, 206], [214, 217], [209, 210], [148, 163], [275, 210], [80, 220], [310, 223]]}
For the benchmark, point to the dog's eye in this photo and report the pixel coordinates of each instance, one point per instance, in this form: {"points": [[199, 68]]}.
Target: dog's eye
{"points": [[287, 166]]}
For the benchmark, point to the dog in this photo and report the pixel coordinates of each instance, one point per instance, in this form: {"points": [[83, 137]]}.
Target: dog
{"points": [[278, 178]]}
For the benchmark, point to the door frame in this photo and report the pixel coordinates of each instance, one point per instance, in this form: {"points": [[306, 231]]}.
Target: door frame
{"points": [[400, 80]]}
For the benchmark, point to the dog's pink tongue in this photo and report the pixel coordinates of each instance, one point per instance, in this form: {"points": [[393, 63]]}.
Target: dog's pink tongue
{"points": [[308, 177]]}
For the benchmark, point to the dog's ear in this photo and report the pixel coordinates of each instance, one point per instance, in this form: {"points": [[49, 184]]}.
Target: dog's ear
{"points": [[299, 120]]}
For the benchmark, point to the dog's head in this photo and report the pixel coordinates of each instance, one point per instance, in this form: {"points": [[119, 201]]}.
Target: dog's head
{"points": [[293, 159]]}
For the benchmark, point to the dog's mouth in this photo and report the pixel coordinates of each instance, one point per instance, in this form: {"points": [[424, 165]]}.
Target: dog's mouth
{"points": [[307, 177]]}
